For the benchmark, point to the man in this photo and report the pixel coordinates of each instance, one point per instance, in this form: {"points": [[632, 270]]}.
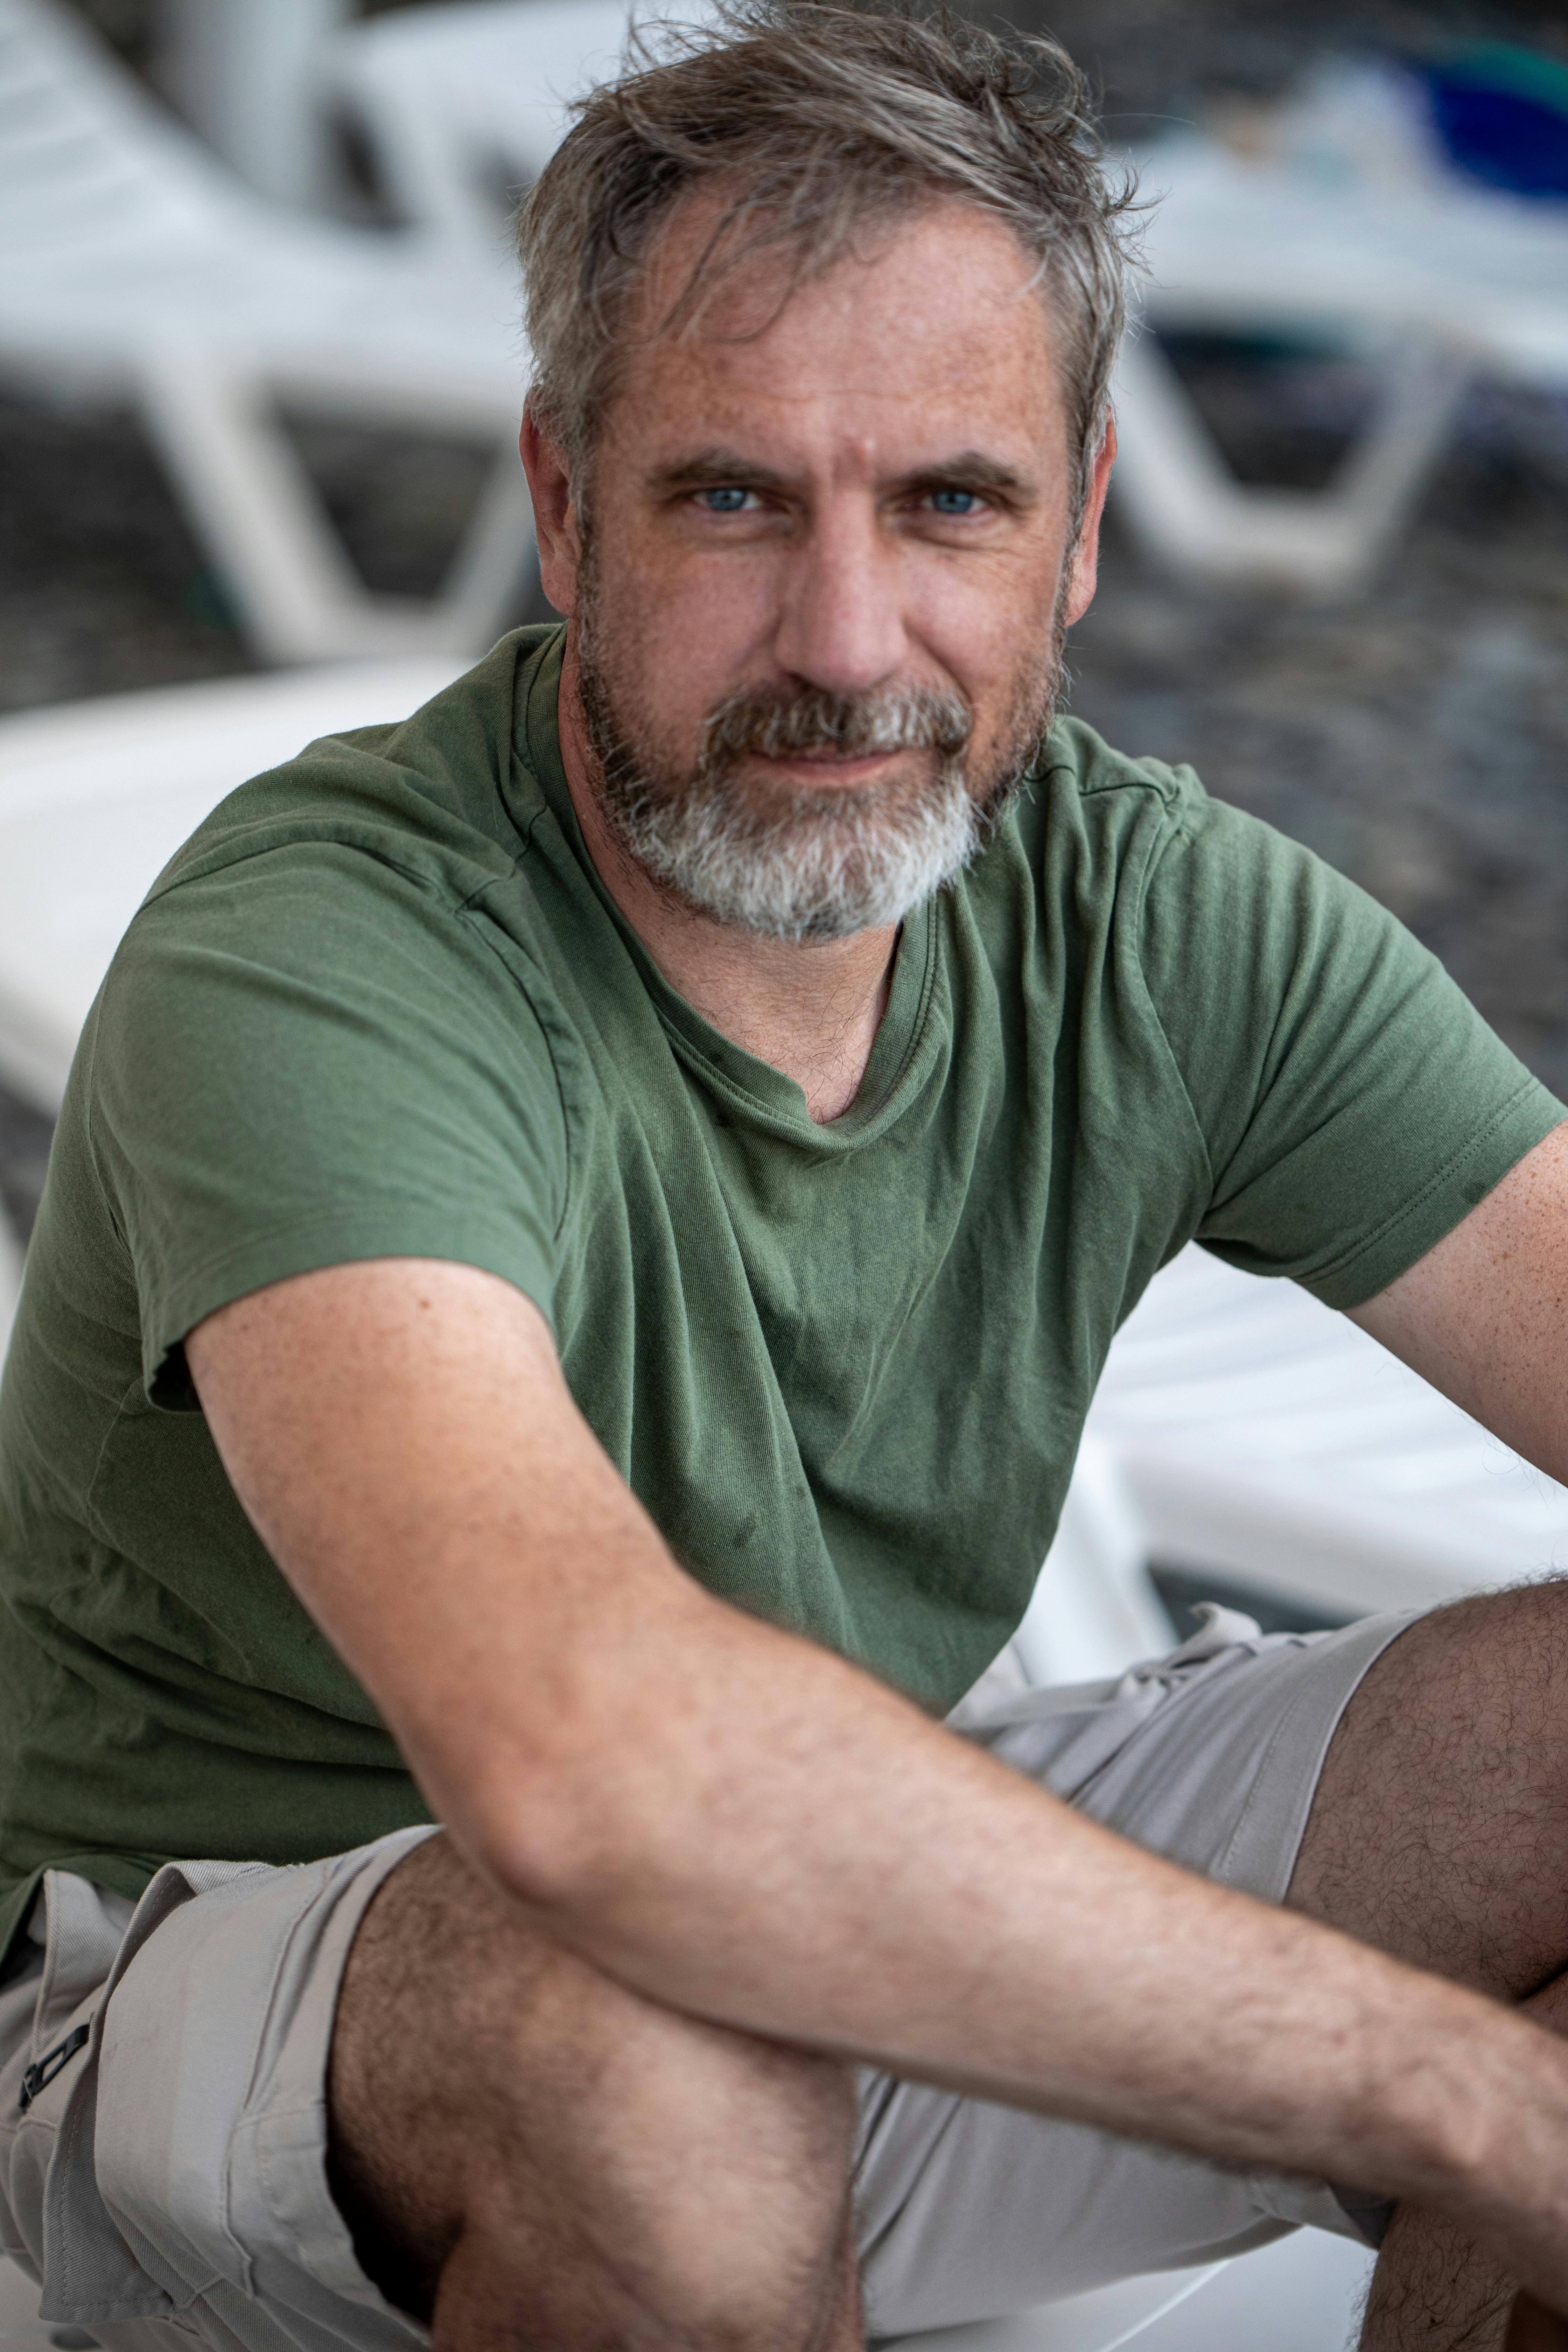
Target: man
{"points": [[582, 1235]]}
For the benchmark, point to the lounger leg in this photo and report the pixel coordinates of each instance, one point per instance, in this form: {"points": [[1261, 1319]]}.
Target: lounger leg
{"points": [[253, 501], [498, 555], [1190, 513]]}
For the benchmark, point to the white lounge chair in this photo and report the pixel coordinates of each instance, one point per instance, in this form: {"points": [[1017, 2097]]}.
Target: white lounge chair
{"points": [[1265, 1438], [464, 105], [245, 76], [1095, 1609], [10, 1278], [136, 269], [1348, 227]]}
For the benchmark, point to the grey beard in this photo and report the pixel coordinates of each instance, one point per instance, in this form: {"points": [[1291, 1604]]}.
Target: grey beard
{"points": [[816, 865]]}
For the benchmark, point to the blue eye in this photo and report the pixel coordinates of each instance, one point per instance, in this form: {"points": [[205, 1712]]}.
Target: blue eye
{"points": [[726, 500], [954, 503]]}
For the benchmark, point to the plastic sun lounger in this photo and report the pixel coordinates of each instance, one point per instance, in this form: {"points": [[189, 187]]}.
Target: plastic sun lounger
{"points": [[136, 268], [1264, 1438], [1300, 2295], [1355, 230], [465, 105], [10, 1278]]}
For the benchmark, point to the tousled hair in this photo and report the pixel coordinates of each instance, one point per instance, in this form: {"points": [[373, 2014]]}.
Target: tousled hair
{"points": [[812, 121]]}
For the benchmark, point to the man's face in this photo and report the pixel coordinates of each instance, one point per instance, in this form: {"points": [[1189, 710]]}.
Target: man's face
{"points": [[817, 617]]}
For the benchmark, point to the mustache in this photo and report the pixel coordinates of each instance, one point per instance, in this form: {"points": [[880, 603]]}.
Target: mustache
{"points": [[772, 721]]}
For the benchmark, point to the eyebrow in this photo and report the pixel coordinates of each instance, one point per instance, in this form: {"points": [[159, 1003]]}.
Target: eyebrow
{"points": [[971, 470], [718, 465]]}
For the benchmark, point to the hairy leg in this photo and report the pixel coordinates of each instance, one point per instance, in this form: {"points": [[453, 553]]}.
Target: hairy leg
{"points": [[529, 2154], [1439, 1832]]}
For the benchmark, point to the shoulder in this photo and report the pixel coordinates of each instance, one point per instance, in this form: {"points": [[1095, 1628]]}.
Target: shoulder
{"points": [[1081, 788], [1089, 817], [1153, 819], [438, 797], [366, 902], [1076, 759]]}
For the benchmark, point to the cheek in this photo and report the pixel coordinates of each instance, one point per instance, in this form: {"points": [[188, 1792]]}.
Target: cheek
{"points": [[991, 628], [683, 633], [652, 661]]}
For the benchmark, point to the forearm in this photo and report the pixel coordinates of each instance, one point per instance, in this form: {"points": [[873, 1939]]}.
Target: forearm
{"points": [[746, 1827], [809, 1858]]}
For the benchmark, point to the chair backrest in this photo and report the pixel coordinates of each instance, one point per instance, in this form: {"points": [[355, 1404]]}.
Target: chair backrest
{"points": [[88, 159], [465, 105], [1310, 240]]}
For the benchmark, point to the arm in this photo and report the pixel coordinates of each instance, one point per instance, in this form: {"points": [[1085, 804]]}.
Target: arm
{"points": [[745, 1827], [1484, 1315]]}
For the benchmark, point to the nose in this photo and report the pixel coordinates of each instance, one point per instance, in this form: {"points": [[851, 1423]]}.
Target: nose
{"points": [[841, 624]]}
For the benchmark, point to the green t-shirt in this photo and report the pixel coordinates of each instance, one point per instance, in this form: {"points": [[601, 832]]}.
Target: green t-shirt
{"points": [[380, 1005]]}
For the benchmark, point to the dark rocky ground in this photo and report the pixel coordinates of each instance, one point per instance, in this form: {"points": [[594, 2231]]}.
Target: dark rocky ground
{"points": [[1417, 737]]}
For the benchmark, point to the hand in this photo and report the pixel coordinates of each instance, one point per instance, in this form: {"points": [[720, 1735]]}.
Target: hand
{"points": [[1532, 2329]]}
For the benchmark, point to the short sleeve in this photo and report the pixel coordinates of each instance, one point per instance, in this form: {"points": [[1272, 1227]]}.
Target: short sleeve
{"points": [[309, 1058], [1354, 1105]]}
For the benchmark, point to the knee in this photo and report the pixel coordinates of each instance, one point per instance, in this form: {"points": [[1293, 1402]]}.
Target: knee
{"points": [[531, 2153], [689, 2184]]}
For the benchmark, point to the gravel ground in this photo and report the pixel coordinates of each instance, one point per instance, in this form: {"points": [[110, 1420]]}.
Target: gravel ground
{"points": [[1417, 737]]}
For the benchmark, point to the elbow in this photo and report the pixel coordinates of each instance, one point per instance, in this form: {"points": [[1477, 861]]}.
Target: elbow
{"points": [[535, 1850], [555, 1834]]}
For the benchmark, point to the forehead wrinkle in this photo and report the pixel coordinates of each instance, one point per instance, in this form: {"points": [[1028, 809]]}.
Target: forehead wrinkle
{"points": [[692, 233]]}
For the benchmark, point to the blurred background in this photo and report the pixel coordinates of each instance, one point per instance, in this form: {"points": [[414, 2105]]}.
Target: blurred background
{"points": [[260, 377], [1394, 697]]}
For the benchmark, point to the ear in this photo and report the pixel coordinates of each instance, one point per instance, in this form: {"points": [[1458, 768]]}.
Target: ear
{"points": [[1085, 560], [554, 514]]}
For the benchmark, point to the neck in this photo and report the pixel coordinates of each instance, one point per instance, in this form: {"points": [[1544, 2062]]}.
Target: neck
{"points": [[812, 1010]]}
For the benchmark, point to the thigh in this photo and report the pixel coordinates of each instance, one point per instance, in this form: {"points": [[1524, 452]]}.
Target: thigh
{"points": [[1439, 1829], [1209, 1756]]}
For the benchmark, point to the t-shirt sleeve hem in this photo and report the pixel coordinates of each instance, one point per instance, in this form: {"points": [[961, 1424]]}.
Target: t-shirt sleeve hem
{"points": [[1459, 1185], [310, 1244]]}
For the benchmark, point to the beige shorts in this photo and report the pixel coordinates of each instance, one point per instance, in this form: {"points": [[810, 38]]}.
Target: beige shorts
{"points": [[167, 2180]]}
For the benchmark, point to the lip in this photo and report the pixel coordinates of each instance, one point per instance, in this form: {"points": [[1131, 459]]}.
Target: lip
{"points": [[827, 769]]}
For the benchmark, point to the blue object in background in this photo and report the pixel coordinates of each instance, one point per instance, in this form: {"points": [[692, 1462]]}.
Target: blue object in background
{"points": [[1501, 113]]}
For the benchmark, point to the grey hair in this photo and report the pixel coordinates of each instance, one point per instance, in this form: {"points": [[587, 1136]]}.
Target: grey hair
{"points": [[816, 121]]}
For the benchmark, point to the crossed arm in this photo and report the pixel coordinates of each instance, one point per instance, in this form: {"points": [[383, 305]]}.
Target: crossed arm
{"points": [[746, 1828]]}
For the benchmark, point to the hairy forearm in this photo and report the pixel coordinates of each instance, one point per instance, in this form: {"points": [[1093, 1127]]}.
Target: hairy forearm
{"points": [[803, 1856], [748, 1828]]}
